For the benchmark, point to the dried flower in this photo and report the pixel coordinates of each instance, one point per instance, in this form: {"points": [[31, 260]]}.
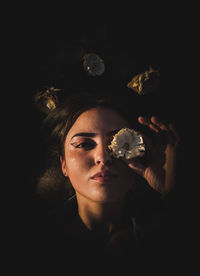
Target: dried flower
{"points": [[127, 143], [93, 64], [144, 82], [46, 99]]}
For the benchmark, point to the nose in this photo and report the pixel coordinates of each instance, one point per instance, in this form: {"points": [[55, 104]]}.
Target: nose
{"points": [[102, 155]]}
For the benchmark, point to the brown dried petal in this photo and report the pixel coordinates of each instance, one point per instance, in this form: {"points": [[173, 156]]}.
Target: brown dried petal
{"points": [[144, 82]]}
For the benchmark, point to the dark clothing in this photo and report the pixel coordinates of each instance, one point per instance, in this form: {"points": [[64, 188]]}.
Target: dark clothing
{"points": [[148, 235]]}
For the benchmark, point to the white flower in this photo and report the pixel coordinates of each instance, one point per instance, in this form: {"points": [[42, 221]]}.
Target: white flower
{"points": [[127, 143]]}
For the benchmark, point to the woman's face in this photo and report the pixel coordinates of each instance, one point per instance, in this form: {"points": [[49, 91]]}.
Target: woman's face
{"points": [[93, 172]]}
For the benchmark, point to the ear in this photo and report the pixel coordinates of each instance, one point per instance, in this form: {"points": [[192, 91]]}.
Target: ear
{"points": [[63, 166]]}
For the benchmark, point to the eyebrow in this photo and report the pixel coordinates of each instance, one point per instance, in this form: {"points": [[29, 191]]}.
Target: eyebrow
{"points": [[92, 134]]}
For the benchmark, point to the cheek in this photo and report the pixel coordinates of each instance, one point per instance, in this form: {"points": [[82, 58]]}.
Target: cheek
{"points": [[76, 165]]}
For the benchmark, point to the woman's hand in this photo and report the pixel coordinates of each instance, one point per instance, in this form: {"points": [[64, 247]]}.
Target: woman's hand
{"points": [[161, 152]]}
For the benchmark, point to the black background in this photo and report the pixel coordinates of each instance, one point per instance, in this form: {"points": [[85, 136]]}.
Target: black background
{"points": [[41, 46], [49, 53], [44, 49]]}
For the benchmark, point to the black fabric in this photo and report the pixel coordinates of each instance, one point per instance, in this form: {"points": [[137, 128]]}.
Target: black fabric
{"points": [[150, 235]]}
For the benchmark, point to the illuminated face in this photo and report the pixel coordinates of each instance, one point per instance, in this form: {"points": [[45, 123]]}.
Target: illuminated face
{"points": [[93, 172]]}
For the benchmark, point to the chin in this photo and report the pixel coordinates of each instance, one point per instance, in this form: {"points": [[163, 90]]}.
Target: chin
{"points": [[108, 197]]}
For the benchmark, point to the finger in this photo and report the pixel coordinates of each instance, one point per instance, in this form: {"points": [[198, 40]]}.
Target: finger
{"points": [[144, 120], [147, 122], [174, 130], [136, 166], [175, 133], [156, 121]]}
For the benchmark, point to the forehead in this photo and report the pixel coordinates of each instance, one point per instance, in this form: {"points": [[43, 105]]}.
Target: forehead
{"points": [[98, 119]]}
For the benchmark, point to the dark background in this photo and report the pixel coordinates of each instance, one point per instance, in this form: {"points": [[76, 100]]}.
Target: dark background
{"points": [[43, 48], [46, 45], [53, 49]]}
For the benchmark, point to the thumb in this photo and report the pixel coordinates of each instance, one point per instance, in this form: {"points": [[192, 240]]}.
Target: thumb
{"points": [[136, 166]]}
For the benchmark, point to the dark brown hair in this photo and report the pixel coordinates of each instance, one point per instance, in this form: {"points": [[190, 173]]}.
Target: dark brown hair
{"points": [[59, 121]]}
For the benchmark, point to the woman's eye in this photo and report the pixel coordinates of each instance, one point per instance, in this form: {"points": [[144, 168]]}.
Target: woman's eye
{"points": [[85, 145]]}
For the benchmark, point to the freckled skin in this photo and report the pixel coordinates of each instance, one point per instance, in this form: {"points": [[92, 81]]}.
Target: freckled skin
{"points": [[86, 156]]}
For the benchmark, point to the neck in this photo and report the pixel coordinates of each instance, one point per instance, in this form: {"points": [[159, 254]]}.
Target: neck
{"points": [[100, 216]]}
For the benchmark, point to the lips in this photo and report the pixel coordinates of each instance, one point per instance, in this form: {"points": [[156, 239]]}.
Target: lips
{"points": [[104, 176]]}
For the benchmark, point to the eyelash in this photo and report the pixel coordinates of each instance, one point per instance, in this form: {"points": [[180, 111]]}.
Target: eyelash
{"points": [[85, 145], [88, 145]]}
